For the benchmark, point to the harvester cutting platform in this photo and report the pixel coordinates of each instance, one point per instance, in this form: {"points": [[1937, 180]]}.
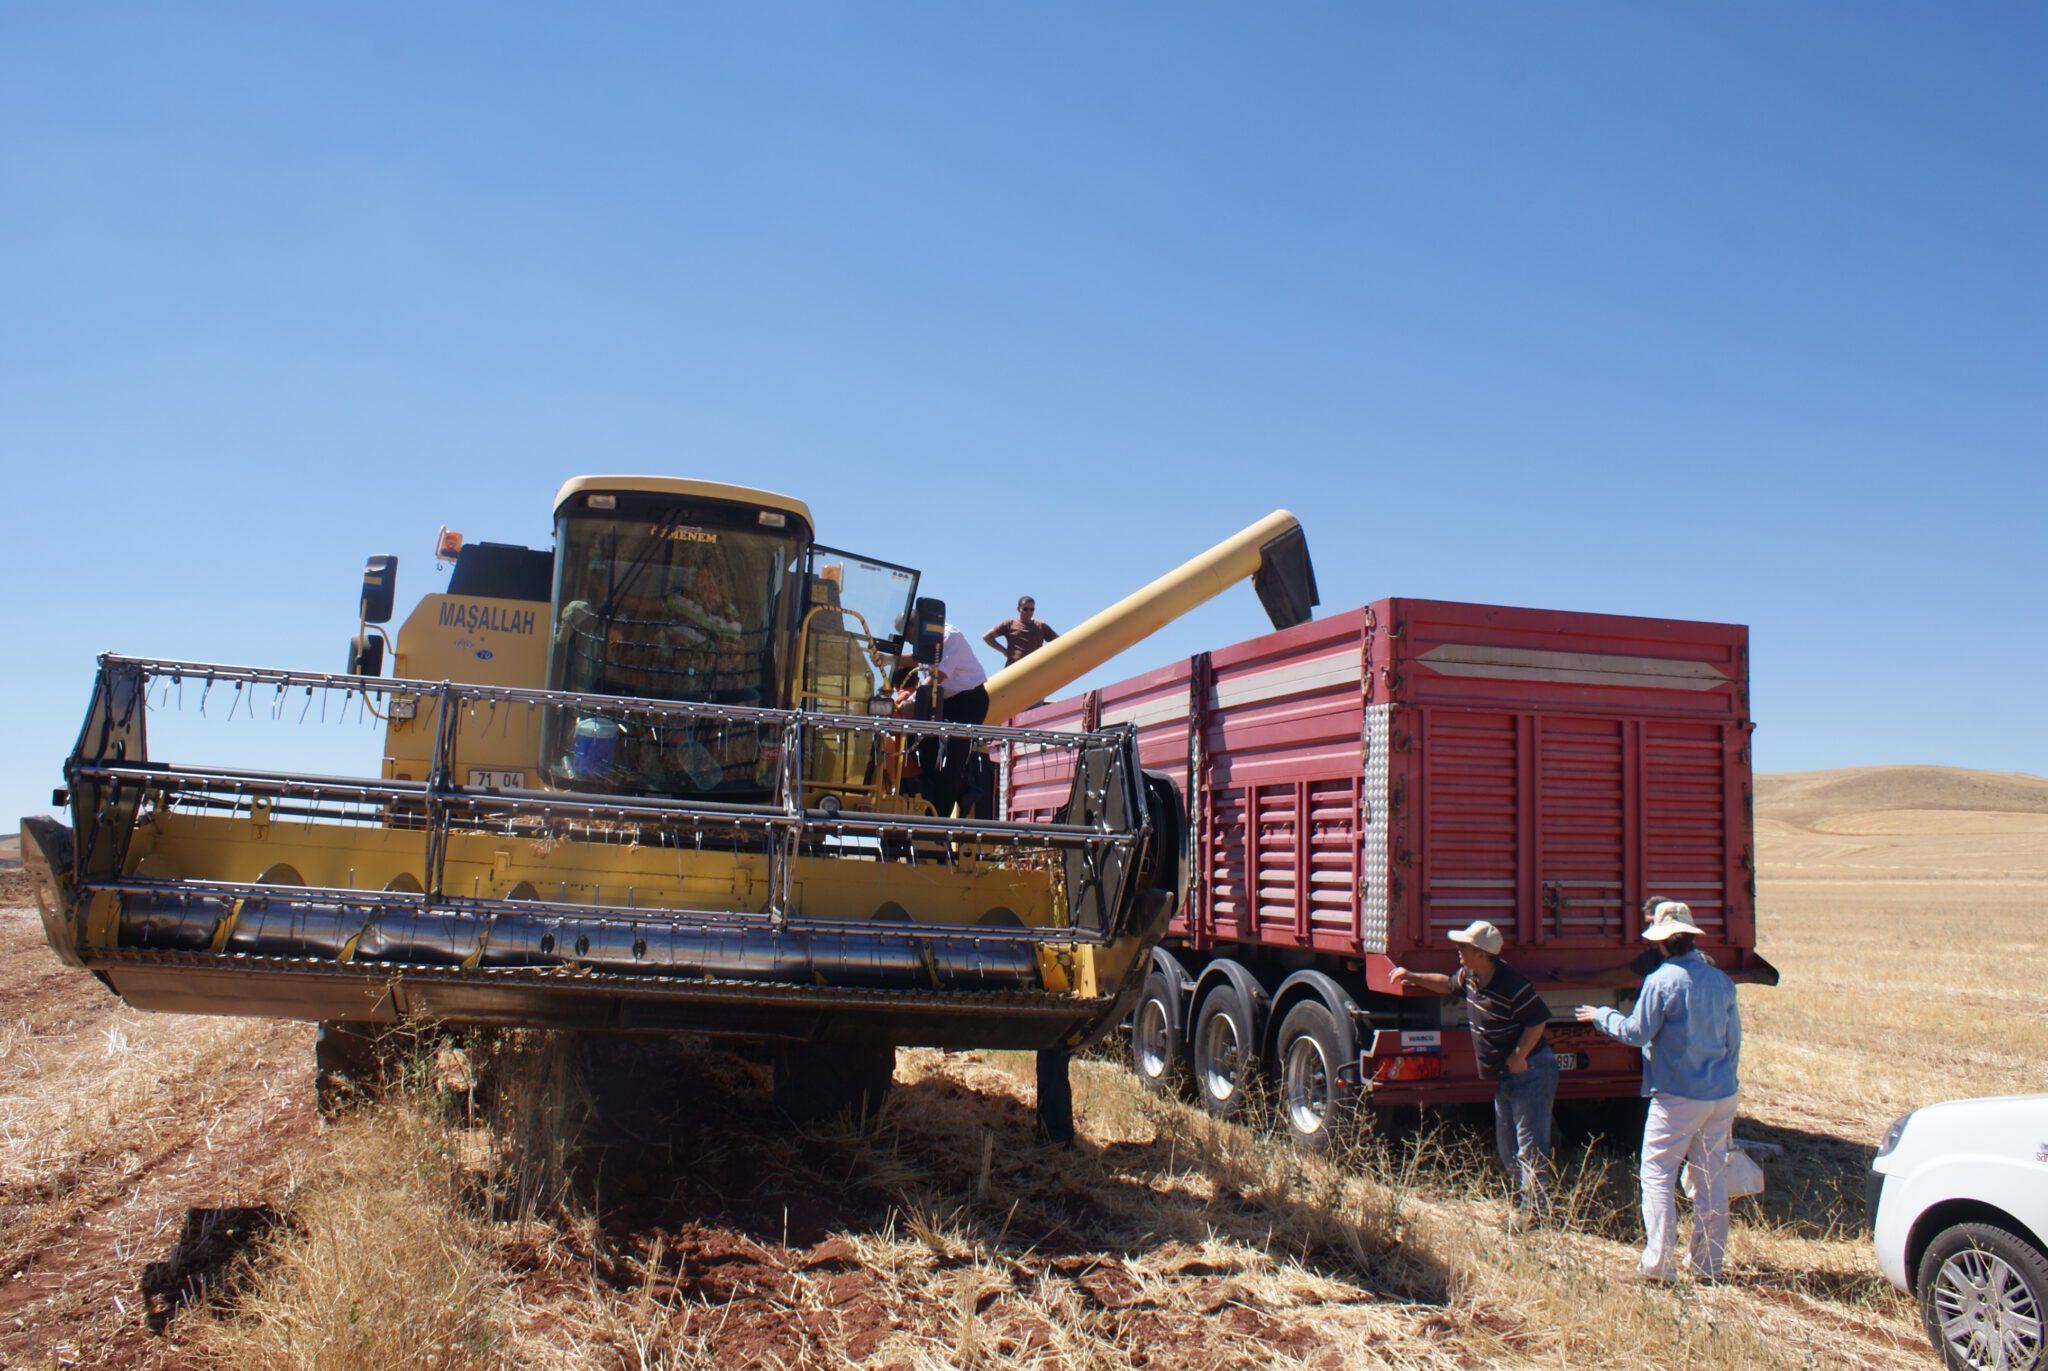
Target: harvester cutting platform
{"points": [[654, 779]]}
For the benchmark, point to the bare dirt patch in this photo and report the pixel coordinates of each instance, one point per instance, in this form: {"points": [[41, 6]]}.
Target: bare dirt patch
{"points": [[120, 1133]]}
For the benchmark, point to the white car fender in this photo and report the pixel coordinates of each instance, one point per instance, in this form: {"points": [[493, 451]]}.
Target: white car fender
{"points": [[1974, 1152]]}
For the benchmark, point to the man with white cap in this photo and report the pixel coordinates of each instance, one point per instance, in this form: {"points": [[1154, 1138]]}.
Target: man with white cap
{"points": [[1508, 1019], [1686, 1022]]}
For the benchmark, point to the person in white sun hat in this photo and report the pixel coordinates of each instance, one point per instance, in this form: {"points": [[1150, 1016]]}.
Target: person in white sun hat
{"points": [[1690, 1031], [1508, 1020]]}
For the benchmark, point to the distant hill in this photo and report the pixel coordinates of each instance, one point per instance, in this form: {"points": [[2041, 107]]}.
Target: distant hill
{"points": [[10, 851], [1809, 799], [1902, 823]]}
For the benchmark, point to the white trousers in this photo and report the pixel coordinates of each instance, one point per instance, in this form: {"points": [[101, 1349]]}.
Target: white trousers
{"points": [[1682, 1132]]}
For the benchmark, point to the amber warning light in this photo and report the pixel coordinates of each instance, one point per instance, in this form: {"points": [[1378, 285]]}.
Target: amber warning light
{"points": [[447, 545]]}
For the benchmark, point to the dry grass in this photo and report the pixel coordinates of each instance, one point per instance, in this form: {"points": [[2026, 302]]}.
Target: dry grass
{"points": [[1167, 1238], [116, 1129], [1896, 996], [486, 1215], [384, 1266]]}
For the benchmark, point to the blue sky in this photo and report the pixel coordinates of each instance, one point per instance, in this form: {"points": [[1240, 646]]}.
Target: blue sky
{"points": [[1732, 312]]}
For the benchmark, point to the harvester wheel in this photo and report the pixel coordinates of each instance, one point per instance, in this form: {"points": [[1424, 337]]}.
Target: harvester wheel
{"points": [[1056, 1096], [834, 1076], [346, 1066]]}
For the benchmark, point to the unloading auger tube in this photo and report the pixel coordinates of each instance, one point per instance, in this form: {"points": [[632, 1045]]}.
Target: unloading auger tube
{"points": [[334, 898], [1273, 553]]}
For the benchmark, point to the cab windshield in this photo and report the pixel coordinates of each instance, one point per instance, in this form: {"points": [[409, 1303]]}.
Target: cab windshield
{"points": [[674, 603]]}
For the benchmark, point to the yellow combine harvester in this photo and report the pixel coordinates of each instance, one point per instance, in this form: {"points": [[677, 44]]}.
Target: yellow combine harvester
{"points": [[653, 780]]}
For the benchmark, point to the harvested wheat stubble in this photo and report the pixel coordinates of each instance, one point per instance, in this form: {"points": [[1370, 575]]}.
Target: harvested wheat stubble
{"points": [[681, 1224], [122, 1137]]}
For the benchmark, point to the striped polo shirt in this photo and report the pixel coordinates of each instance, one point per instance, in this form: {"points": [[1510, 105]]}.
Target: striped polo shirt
{"points": [[1499, 1011]]}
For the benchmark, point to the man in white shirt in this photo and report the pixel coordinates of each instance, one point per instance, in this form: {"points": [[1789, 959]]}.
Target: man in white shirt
{"points": [[963, 699], [961, 671]]}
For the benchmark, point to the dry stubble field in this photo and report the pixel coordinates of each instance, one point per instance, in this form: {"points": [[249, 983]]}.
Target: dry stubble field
{"points": [[166, 1197]]}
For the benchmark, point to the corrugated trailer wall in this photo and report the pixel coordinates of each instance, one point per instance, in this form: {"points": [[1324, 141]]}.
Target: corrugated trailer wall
{"points": [[1366, 782], [1279, 838], [1550, 771]]}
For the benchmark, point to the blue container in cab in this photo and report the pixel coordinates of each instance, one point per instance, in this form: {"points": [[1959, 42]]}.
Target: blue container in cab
{"points": [[597, 743]]}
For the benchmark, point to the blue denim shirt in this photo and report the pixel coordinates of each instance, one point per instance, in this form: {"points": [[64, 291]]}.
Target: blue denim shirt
{"points": [[1686, 1022]]}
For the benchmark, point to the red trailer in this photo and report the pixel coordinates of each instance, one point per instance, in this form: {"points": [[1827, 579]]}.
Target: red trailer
{"points": [[1360, 785]]}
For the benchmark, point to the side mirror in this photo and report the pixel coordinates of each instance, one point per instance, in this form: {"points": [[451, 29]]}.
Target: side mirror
{"points": [[380, 585], [366, 654], [927, 630]]}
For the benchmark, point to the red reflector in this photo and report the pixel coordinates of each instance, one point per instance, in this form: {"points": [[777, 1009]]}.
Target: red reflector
{"points": [[1422, 1066]]}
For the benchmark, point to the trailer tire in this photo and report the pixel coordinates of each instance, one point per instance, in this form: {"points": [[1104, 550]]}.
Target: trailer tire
{"points": [[1225, 1050], [834, 1076], [1156, 1046], [1618, 1121], [1308, 1056]]}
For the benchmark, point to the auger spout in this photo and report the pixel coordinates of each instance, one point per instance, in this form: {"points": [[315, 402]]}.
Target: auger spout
{"points": [[1273, 553]]}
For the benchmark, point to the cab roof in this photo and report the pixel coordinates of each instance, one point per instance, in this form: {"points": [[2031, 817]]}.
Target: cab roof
{"points": [[678, 485]]}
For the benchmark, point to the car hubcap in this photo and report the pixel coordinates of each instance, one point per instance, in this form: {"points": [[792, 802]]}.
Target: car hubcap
{"points": [[1307, 1085], [1988, 1316], [1220, 1054], [1149, 1038]]}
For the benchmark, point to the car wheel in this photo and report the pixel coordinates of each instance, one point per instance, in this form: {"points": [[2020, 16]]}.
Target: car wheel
{"points": [[1223, 1050], [1155, 1042], [1312, 1098], [1984, 1298]]}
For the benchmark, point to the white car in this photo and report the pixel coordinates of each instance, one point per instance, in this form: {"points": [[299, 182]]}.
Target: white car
{"points": [[1959, 1217]]}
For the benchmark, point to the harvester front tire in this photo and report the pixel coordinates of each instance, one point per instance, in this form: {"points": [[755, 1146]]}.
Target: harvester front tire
{"points": [[833, 1078], [1313, 1099], [1056, 1097], [1156, 1047], [1225, 1051], [346, 1066]]}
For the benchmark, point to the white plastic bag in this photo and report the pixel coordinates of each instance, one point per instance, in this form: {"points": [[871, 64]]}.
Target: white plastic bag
{"points": [[1740, 1175]]}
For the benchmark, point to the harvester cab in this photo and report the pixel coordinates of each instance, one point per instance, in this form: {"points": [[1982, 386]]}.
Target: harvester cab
{"points": [[652, 779], [659, 589]]}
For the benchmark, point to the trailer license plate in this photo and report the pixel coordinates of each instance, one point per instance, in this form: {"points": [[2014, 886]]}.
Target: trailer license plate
{"points": [[480, 779], [1567, 1061]]}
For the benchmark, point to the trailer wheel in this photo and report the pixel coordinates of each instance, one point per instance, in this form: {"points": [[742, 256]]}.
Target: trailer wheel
{"points": [[1155, 1041], [1225, 1050], [1311, 1095], [834, 1076], [1618, 1121]]}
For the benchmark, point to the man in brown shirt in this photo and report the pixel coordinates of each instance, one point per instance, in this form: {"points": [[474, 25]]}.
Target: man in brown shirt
{"points": [[1022, 635]]}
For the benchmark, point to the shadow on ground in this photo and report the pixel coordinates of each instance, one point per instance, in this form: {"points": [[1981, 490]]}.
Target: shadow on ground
{"points": [[203, 1263], [682, 1136]]}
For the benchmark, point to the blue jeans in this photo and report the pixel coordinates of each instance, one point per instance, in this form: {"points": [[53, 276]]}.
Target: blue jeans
{"points": [[1521, 1122]]}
